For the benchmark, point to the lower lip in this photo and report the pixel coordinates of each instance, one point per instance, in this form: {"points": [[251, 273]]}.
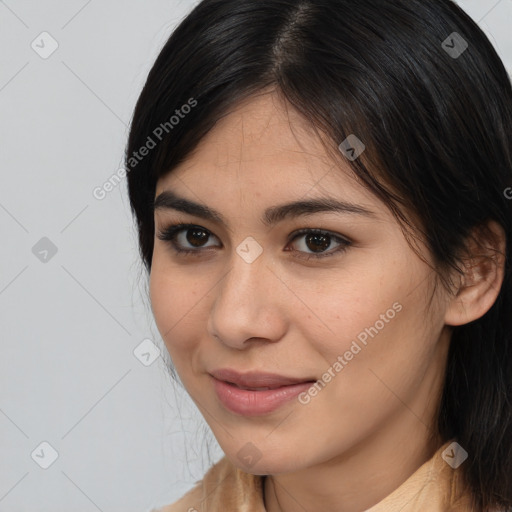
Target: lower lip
{"points": [[254, 403]]}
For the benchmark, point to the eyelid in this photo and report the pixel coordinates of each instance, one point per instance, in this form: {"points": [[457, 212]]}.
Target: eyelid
{"points": [[184, 218], [343, 242], [169, 233], [306, 231]]}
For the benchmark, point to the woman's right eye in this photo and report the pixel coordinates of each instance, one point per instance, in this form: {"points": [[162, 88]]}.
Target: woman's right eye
{"points": [[186, 238]]}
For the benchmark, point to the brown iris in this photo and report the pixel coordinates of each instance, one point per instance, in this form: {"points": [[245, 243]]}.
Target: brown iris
{"points": [[317, 242], [197, 237]]}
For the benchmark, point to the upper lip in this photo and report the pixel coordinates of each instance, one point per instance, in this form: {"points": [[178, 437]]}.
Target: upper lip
{"points": [[255, 379]]}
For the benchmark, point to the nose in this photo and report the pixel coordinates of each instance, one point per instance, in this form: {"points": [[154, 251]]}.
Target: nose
{"points": [[249, 304]]}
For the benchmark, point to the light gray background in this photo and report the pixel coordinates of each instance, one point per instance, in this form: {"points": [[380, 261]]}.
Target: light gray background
{"points": [[70, 325]]}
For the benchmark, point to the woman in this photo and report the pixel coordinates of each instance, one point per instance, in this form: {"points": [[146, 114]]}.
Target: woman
{"points": [[320, 190]]}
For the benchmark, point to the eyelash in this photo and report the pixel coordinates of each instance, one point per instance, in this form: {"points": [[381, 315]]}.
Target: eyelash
{"points": [[169, 234]]}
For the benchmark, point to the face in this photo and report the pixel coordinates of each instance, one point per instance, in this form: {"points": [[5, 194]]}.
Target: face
{"points": [[313, 293]]}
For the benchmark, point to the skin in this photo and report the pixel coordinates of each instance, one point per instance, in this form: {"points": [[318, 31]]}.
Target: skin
{"points": [[369, 428]]}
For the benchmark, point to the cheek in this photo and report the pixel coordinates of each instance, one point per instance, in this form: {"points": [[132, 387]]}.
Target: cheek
{"points": [[340, 306], [374, 318], [385, 351], [176, 306]]}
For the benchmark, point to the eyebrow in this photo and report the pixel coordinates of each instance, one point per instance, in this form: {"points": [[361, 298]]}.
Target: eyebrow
{"points": [[168, 200]]}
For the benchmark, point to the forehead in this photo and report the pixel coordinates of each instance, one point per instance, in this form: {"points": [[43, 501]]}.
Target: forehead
{"points": [[263, 141], [261, 127]]}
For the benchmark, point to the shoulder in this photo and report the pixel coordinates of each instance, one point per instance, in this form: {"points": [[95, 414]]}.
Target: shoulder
{"points": [[223, 487], [185, 503]]}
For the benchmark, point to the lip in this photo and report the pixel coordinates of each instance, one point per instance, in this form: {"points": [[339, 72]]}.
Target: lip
{"points": [[257, 379], [248, 402]]}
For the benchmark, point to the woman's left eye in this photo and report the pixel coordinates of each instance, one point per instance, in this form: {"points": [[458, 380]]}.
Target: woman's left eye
{"points": [[318, 242]]}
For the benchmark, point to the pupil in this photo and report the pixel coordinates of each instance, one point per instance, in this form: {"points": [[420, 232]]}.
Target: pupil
{"points": [[196, 237], [319, 242]]}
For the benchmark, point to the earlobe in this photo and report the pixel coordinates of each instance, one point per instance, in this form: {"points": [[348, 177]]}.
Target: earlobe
{"points": [[482, 278]]}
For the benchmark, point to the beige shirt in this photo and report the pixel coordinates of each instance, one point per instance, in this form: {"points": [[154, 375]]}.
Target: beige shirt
{"points": [[433, 487]]}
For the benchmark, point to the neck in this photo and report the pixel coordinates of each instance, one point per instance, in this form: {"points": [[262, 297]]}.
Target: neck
{"points": [[355, 481]]}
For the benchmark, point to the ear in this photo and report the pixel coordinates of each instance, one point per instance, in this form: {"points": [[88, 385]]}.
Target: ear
{"points": [[484, 270]]}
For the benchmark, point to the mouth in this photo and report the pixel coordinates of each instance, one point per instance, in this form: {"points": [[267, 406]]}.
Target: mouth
{"points": [[246, 388], [257, 381], [249, 389], [253, 398]]}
